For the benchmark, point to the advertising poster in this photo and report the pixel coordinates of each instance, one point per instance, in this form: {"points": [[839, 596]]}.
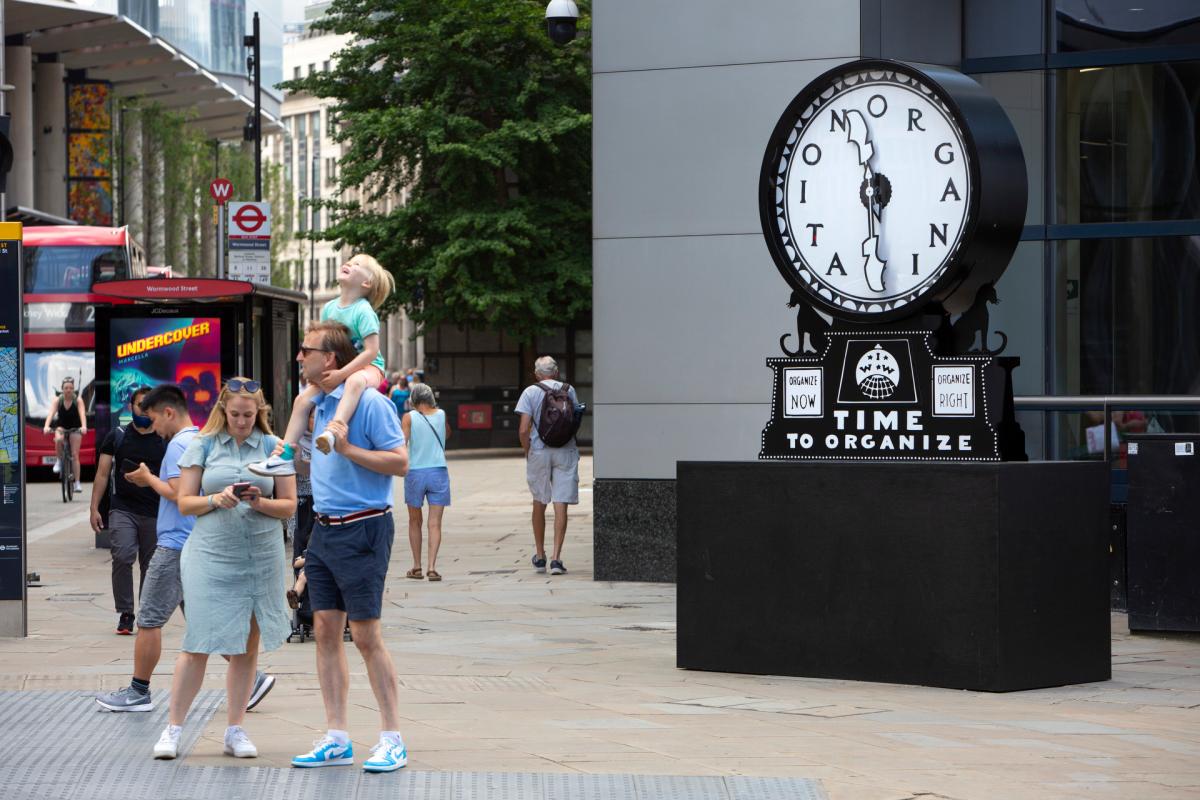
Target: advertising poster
{"points": [[148, 351]]}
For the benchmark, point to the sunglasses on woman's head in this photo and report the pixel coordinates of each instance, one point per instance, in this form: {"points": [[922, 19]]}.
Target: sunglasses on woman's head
{"points": [[237, 385]]}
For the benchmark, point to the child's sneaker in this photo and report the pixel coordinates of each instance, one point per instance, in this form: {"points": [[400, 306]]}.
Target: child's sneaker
{"points": [[539, 563], [278, 466], [557, 568], [325, 442]]}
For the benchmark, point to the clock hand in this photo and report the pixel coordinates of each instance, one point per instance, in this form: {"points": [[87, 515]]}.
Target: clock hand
{"points": [[860, 135]]}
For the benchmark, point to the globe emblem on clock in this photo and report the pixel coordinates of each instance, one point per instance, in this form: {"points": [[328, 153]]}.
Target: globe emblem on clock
{"points": [[878, 374]]}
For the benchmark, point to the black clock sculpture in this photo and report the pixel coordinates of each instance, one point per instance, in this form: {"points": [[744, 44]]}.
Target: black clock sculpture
{"points": [[891, 199]]}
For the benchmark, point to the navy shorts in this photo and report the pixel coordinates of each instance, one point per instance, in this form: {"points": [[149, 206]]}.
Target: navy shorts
{"points": [[347, 564]]}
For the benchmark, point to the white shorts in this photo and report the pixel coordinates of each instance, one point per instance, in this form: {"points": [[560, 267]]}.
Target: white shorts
{"points": [[553, 475]]}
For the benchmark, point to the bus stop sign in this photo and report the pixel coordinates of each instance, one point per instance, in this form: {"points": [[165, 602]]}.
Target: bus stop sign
{"points": [[221, 190]]}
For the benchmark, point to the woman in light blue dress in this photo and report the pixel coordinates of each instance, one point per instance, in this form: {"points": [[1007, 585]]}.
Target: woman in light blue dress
{"points": [[233, 564]]}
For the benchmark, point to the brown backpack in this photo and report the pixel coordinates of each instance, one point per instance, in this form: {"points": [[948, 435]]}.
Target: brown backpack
{"points": [[560, 418]]}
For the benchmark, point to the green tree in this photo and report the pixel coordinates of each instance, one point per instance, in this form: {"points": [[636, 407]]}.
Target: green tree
{"points": [[190, 162], [469, 109]]}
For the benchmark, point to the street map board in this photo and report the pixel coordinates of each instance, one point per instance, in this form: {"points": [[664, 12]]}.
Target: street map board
{"points": [[12, 467]]}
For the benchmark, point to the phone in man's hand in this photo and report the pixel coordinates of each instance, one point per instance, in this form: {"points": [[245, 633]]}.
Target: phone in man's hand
{"points": [[129, 465], [240, 488]]}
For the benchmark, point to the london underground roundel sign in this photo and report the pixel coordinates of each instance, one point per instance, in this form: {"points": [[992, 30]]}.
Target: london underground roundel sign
{"points": [[885, 188]]}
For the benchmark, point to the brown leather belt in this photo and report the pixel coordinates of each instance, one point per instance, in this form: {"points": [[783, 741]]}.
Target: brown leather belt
{"points": [[329, 521]]}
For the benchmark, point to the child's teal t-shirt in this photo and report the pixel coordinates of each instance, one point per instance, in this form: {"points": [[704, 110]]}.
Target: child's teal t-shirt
{"points": [[360, 318]]}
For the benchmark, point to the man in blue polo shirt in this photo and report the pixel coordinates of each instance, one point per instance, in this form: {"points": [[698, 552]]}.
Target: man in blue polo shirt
{"points": [[349, 549]]}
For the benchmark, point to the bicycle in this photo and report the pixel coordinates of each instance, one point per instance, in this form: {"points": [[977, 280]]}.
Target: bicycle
{"points": [[66, 465]]}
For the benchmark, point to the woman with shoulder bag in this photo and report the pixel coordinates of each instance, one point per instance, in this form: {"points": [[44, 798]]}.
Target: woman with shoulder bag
{"points": [[426, 430], [232, 565]]}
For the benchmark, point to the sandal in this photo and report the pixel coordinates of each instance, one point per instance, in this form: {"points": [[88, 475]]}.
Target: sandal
{"points": [[293, 598], [414, 573], [433, 575]]}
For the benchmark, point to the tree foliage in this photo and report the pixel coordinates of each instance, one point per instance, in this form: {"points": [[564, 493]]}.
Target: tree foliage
{"points": [[469, 111], [189, 162]]}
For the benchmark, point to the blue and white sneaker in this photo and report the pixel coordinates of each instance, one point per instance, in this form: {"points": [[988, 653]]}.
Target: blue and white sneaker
{"points": [[539, 563], [387, 756], [326, 753]]}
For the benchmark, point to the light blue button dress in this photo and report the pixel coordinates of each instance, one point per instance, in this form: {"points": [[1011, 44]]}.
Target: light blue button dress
{"points": [[232, 564]]}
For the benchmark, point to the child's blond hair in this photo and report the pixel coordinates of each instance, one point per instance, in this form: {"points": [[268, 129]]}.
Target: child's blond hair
{"points": [[382, 282]]}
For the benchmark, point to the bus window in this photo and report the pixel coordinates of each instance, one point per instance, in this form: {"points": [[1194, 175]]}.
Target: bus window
{"points": [[44, 373], [72, 269]]}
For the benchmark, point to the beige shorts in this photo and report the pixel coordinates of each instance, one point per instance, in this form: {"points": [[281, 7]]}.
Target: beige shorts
{"points": [[553, 475]]}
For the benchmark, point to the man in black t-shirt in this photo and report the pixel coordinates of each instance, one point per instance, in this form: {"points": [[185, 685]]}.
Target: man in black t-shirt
{"points": [[133, 510]]}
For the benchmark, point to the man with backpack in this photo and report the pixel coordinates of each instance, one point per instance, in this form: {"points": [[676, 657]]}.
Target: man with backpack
{"points": [[550, 416], [132, 511]]}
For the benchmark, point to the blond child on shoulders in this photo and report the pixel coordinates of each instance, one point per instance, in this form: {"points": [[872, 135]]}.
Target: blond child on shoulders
{"points": [[363, 285]]}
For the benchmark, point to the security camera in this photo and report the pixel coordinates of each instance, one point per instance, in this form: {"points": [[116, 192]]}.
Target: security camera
{"points": [[561, 18]]}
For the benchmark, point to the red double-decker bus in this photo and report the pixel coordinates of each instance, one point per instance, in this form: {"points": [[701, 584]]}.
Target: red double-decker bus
{"points": [[61, 265]]}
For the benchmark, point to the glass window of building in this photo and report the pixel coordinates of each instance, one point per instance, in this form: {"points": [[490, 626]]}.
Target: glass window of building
{"points": [[1126, 313], [1127, 143], [1119, 24]]}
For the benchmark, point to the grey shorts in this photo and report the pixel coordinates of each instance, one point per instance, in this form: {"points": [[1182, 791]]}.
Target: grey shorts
{"points": [[162, 592], [553, 475]]}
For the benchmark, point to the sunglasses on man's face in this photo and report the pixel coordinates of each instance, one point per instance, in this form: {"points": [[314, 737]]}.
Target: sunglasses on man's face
{"points": [[306, 350], [237, 385]]}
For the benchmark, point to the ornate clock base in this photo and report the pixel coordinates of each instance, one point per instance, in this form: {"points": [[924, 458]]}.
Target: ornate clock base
{"points": [[886, 394]]}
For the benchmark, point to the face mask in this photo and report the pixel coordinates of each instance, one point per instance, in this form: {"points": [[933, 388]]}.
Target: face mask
{"points": [[142, 422]]}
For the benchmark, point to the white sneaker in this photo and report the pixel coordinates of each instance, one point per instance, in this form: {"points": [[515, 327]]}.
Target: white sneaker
{"points": [[168, 744], [273, 467], [387, 756], [78, 487], [57, 467], [238, 744], [325, 442]]}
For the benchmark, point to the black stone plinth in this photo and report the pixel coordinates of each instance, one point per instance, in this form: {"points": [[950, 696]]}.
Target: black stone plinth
{"points": [[990, 577], [633, 530]]}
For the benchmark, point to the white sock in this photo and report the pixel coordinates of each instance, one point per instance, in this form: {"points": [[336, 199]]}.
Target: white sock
{"points": [[232, 729], [175, 730], [341, 737], [394, 736]]}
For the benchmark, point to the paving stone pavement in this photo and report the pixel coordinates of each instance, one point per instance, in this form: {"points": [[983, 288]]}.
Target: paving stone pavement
{"points": [[506, 673]]}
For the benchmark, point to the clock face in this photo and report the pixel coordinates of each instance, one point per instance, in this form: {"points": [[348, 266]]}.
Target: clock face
{"points": [[867, 192]]}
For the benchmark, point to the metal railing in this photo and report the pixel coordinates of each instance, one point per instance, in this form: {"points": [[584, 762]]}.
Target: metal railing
{"points": [[1107, 404]]}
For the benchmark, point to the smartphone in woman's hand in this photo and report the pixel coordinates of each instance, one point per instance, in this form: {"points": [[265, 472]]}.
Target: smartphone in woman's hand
{"points": [[240, 488]]}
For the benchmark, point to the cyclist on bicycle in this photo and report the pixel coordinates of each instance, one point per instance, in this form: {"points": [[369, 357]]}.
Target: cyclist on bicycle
{"points": [[69, 418]]}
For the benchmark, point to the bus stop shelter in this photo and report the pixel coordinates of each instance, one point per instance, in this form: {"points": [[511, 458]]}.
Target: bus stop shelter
{"points": [[197, 333]]}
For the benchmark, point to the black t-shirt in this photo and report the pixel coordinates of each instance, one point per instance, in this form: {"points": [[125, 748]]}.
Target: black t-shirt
{"points": [[147, 447]]}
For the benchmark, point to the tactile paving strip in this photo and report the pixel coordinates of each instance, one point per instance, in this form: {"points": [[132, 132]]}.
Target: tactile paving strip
{"points": [[59, 746]]}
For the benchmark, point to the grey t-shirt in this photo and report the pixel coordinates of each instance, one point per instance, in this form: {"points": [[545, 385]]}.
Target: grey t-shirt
{"points": [[530, 403]]}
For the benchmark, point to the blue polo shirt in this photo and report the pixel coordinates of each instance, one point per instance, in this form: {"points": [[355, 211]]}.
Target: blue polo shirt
{"points": [[174, 528], [339, 486]]}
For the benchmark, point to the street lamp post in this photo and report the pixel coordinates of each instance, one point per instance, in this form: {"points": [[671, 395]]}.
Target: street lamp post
{"points": [[254, 62]]}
